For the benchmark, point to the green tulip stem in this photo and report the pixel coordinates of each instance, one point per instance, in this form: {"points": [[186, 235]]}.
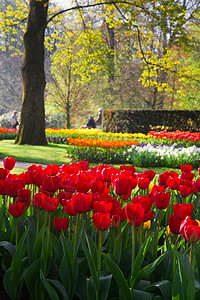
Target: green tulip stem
{"points": [[115, 236], [75, 236], [99, 253], [133, 249], [140, 234], [38, 222], [48, 237], [17, 231], [190, 263], [70, 227], [157, 234]]}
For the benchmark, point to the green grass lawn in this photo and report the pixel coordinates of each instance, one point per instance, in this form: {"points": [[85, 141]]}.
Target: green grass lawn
{"points": [[51, 154]]}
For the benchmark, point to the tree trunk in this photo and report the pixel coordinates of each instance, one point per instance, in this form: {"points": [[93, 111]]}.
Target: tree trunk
{"points": [[32, 123]]}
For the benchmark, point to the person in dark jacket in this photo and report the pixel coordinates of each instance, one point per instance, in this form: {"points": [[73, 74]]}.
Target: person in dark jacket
{"points": [[90, 123]]}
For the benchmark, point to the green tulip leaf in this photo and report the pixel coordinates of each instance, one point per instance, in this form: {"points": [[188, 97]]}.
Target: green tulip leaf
{"points": [[147, 270], [8, 247], [91, 293], [164, 287], [104, 287], [16, 265], [10, 288], [31, 275], [91, 247], [92, 267], [56, 247], [60, 288], [69, 274], [139, 259], [50, 290], [119, 277]]}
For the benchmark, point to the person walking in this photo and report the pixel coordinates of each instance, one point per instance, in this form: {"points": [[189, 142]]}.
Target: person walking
{"points": [[14, 122]]}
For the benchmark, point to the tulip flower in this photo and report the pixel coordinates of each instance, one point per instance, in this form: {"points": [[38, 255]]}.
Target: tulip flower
{"points": [[50, 204], [183, 210], [185, 190], [16, 209], [51, 184], [163, 179], [174, 224], [121, 184], [60, 224], [84, 165], [101, 221], [4, 173], [186, 168], [9, 162], [99, 187], [143, 182], [134, 213], [68, 206], [173, 183], [190, 230], [102, 207], [82, 202], [150, 174], [161, 200]]}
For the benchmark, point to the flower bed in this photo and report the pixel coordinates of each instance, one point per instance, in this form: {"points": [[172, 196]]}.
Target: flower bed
{"points": [[99, 233], [6, 133]]}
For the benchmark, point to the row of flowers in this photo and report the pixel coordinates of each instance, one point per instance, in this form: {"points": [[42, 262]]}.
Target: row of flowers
{"points": [[99, 233], [60, 135]]}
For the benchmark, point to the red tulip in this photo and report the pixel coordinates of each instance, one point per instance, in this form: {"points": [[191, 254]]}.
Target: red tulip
{"points": [[143, 182], [51, 170], [50, 204], [82, 202], [128, 168], [12, 187], [64, 196], [186, 168], [116, 220], [9, 162], [150, 174], [102, 207], [121, 184], [3, 173], [185, 190], [187, 175], [161, 200], [163, 179], [134, 212], [99, 187], [60, 224], [174, 224], [181, 211], [37, 200], [148, 215], [145, 201], [84, 165], [198, 184], [101, 221], [173, 182], [84, 176], [68, 206], [24, 195], [16, 209], [51, 184], [157, 188], [108, 172], [190, 230], [69, 185], [83, 186]]}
